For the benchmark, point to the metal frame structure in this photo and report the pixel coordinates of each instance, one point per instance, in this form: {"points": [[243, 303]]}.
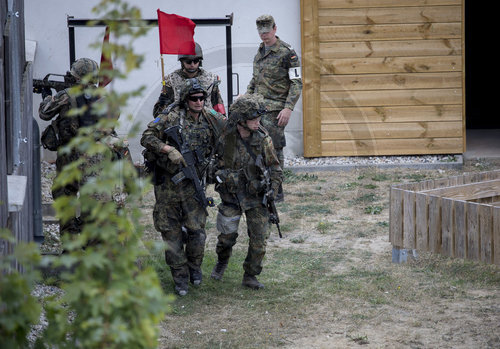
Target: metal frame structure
{"points": [[227, 22]]}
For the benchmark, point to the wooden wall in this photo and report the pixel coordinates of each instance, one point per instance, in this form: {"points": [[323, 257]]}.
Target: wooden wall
{"points": [[382, 77]]}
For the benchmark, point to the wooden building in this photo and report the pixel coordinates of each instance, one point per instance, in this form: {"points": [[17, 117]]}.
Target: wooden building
{"points": [[383, 77]]}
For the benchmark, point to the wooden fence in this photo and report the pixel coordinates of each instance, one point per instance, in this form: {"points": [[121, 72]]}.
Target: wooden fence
{"points": [[457, 216]]}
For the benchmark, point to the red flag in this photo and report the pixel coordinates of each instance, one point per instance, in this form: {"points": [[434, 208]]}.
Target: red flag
{"points": [[106, 63], [176, 34]]}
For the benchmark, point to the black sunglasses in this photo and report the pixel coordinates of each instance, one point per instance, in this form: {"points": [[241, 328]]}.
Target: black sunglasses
{"points": [[196, 98], [189, 61]]}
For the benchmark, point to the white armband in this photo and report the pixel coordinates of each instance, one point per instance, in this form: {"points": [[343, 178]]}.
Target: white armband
{"points": [[295, 73]]}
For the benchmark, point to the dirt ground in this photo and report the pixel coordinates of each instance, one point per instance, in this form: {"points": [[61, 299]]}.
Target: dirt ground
{"points": [[330, 281]]}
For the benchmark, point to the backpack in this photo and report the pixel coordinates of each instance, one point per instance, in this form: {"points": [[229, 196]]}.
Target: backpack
{"points": [[50, 137]]}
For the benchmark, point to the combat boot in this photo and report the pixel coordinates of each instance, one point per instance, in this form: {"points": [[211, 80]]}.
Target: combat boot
{"points": [[181, 288], [251, 281], [180, 277], [218, 270], [195, 276]]}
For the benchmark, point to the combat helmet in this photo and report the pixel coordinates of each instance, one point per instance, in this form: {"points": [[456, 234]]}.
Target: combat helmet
{"points": [[190, 87], [84, 66], [198, 53], [246, 107]]}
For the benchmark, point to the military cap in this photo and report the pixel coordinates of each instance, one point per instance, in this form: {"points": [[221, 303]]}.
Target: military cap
{"points": [[265, 23]]}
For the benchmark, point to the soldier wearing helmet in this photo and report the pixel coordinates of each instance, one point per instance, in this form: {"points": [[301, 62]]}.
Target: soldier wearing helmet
{"points": [[190, 68], [177, 214], [65, 126], [240, 183]]}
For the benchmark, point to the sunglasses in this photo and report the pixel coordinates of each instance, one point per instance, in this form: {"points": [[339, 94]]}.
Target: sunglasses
{"points": [[196, 98], [189, 61]]}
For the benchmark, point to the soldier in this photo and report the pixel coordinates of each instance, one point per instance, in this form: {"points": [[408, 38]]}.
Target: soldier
{"points": [[66, 126], [277, 77], [190, 68], [177, 214], [241, 186]]}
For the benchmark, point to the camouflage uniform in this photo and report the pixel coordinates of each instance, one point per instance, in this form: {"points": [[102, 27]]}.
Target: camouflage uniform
{"points": [[276, 76], [177, 214], [175, 81], [241, 190], [67, 127]]}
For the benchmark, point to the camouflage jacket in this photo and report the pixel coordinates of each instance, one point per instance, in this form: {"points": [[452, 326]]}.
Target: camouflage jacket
{"points": [[68, 125], [60, 105], [277, 76], [174, 81], [242, 182], [201, 135]]}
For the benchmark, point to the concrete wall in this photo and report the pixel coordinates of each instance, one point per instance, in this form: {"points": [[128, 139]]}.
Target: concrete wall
{"points": [[46, 25]]}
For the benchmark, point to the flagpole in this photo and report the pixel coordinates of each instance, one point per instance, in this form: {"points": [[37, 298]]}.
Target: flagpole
{"points": [[162, 74]]}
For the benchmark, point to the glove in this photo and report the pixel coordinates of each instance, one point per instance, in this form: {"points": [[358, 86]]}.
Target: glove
{"points": [[46, 91], [176, 157], [220, 176], [270, 195], [163, 99]]}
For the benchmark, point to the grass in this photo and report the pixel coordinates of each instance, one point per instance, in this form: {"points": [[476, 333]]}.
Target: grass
{"points": [[331, 276]]}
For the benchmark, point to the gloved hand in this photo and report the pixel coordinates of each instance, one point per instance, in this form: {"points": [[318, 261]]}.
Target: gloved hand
{"points": [[176, 157], [271, 194], [163, 99], [46, 91], [220, 176]]}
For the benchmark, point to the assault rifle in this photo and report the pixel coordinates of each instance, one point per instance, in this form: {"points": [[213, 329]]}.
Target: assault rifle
{"points": [[58, 85], [191, 158], [268, 200]]}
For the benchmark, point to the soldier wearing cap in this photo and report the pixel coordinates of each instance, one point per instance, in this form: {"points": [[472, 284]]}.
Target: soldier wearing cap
{"points": [[177, 214], [190, 68], [240, 183], [277, 77]]}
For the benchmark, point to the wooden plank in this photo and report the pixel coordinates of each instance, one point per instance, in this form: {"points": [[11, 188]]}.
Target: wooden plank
{"points": [[409, 237], [496, 235], [393, 48], [421, 219], [396, 217], [391, 81], [383, 3], [391, 130], [473, 237], [311, 79], [393, 15], [390, 32], [486, 233], [416, 113], [390, 98], [469, 191], [390, 65], [447, 228], [434, 224], [411, 146], [460, 227]]}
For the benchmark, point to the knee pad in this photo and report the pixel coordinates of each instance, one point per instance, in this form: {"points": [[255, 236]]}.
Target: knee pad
{"points": [[227, 225]]}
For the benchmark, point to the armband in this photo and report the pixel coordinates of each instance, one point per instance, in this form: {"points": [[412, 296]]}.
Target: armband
{"points": [[295, 73]]}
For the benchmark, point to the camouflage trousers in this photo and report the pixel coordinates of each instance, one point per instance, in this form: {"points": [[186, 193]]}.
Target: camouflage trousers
{"points": [[73, 224], [181, 221], [277, 133], [228, 219]]}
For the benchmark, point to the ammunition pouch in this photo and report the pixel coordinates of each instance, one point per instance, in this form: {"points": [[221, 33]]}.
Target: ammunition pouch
{"points": [[255, 187]]}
